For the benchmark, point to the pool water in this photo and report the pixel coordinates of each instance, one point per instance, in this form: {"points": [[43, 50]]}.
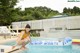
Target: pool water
{"points": [[48, 48]]}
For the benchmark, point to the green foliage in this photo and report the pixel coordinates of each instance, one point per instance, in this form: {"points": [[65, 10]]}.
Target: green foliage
{"points": [[6, 8], [9, 14], [35, 34], [74, 11], [37, 13]]}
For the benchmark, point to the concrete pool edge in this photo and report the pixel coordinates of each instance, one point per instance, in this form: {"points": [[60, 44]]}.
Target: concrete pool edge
{"points": [[6, 40]]}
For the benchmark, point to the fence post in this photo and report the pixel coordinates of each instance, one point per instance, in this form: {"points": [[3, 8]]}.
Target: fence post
{"points": [[9, 27], [17, 30]]}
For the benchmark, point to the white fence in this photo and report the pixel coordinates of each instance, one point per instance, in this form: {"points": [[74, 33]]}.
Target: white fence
{"points": [[50, 24], [17, 25], [67, 22], [75, 34], [37, 24]]}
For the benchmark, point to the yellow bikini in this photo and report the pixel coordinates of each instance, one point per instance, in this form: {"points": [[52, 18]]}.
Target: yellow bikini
{"points": [[25, 35]]}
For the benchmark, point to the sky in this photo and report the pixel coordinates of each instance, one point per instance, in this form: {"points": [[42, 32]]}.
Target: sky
{"points": [[53, 4]]}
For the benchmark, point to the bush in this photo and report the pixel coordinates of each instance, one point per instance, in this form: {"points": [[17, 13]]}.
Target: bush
{"points": [[35, 34]]}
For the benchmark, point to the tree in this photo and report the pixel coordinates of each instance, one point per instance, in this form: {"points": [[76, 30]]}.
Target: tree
{"points": [[9, 14], [65, 10], [74, 11], [6, 10], [37, 13]]}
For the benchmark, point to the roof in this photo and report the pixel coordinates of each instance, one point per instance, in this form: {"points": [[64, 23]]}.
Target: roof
{"points": [[60, 16]]}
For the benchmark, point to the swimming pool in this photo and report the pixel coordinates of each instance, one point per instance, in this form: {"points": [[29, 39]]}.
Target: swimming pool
{"points": [[48, 48]]}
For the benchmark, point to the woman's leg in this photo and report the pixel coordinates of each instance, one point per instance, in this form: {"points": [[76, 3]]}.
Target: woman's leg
{"points": [[24, 44], [13, 47]]}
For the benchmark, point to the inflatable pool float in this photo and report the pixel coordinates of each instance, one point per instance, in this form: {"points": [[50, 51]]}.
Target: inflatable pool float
{"points": [[76, 41], [59, 42]]}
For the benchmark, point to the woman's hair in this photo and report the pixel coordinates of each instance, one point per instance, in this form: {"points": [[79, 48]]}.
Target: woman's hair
{"points": [[27, 26]]}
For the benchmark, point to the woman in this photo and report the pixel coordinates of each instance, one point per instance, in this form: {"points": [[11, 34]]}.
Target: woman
{"points": [[23, 37]]}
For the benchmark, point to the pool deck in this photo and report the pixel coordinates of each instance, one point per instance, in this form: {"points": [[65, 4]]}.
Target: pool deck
{"points": [[8, 49], [6, 40], [5, 47]]}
